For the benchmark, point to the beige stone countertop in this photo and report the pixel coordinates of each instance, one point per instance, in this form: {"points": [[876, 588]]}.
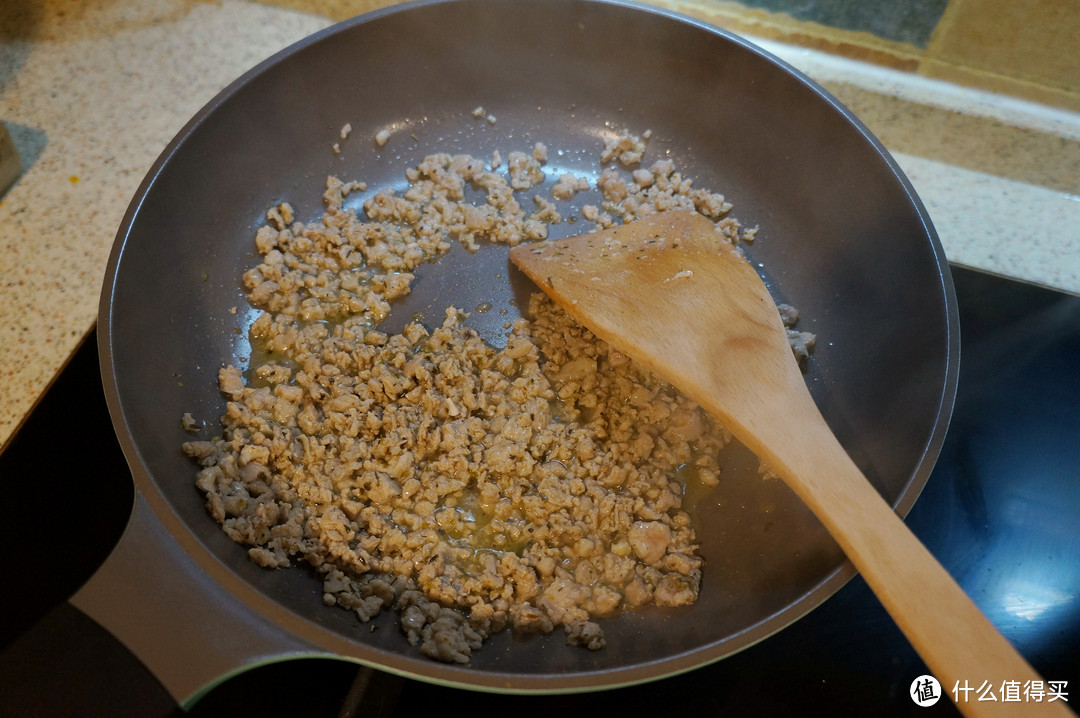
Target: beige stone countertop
{"points": [[92, 92]]}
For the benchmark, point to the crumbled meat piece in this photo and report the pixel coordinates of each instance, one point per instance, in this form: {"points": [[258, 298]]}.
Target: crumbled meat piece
{"points": [[802, 344], [626, 148], [525, 171], [546, 211], [789, 315], [593, 214], [586, 634], [676, 590], [649, 540], [569, 185], [230, 382]]}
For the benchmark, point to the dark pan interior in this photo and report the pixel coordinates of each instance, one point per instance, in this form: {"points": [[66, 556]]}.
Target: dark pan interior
{"points": [[842, 237]]}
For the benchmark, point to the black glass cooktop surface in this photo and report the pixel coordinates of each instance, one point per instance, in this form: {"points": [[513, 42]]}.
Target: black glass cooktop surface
{"points": [[1000, 511]]}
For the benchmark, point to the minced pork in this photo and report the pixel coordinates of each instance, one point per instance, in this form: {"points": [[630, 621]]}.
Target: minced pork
{"points": [[467, 488]]}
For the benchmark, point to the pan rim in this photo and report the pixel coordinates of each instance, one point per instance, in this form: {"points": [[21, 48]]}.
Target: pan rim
{"points": [[463, 676]]}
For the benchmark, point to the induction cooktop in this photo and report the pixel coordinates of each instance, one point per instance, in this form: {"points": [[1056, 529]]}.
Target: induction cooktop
{"points": [[1000, 511]]}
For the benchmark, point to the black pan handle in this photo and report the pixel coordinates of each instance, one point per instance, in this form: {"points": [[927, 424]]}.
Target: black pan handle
{"points": [[187, 629]]}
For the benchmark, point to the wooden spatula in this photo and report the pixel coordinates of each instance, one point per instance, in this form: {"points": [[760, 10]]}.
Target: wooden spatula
{"points": [[672, 293]]}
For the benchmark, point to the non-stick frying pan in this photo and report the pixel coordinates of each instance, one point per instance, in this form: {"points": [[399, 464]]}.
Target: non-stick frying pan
{"points": [[842, 237]]}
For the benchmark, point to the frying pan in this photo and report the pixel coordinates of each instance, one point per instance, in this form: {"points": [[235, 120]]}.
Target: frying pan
{"points": [[843, 237]]}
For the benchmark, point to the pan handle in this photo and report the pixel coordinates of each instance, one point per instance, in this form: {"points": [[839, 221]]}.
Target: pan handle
{"points": [[187, 629]]}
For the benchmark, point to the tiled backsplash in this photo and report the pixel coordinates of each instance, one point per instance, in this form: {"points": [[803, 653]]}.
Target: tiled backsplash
{"points": [[908, 21], [1030, 50]]}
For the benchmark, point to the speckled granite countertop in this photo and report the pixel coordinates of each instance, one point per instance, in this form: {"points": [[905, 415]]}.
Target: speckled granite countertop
{"points": [[91, 95]]}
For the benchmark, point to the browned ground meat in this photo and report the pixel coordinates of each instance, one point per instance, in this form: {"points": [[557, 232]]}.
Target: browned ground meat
{"points": [[466, 487]]}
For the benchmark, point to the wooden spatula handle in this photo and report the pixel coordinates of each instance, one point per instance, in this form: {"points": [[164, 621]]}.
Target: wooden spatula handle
{"points": [[693, 310], [955, 639]]}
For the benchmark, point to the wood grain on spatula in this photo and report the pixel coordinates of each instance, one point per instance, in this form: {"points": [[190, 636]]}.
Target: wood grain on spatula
{"points": [[675, 295]]}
